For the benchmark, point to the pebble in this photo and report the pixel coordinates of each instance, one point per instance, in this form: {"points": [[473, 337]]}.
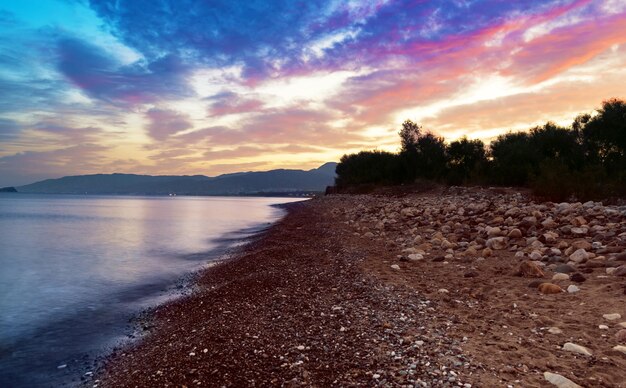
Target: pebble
{"points": [[395, 266], [603, 327], [555, 330], [577, 277], [579, 256], [560, 276], [572, 347], [530, 269], [611, 317], [621, 336], [620, 348], [620, 271], [564, 268], [301, 347], [560, 381], [515, 233], [549, 288], [572, 289], [443, 291], [62, 366], [416, 257]]}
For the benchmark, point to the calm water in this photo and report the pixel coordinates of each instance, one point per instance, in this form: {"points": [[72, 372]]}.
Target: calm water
{"points": [[74, 269]]}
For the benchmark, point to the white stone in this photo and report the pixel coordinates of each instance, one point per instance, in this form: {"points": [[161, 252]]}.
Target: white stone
{"points": [[535, 255], [560, 276], [572, 289], [560, 381], [620, 348], [493, 232], [579, 256], [611, 317], [395, 266], [497, 243], [555, 330], [443, 291], [603, 327], [572, 347], [416, 257]]}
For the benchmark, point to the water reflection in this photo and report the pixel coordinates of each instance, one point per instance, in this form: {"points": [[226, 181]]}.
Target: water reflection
{"points": [[73, 267]]}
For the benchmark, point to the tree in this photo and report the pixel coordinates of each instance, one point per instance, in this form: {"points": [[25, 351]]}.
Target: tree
{"points": [[512, 159], [368, 167], [465, 157], [556, 143], [409, 135], [431, 156], [604, 135]]}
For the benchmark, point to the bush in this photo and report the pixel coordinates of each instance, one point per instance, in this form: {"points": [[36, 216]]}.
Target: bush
{"points": [[368, 167]]}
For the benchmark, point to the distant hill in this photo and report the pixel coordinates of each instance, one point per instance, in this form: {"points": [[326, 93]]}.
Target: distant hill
{"points": [[246, 183], [8, 190]]}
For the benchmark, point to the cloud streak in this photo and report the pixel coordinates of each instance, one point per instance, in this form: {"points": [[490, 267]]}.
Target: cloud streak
{"points": [[181, 86]]}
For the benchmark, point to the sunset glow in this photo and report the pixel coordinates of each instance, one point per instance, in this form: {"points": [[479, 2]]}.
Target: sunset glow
{"points": [[190, 87]]}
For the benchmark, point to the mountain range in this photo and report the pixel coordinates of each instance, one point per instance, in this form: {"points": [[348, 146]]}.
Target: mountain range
{"points": [[280, 181]]}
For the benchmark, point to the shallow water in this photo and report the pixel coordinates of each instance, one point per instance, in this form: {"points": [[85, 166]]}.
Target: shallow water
{"points": [[74, 269]]}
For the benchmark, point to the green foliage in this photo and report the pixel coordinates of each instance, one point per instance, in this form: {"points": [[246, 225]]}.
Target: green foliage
{"points": [[587, 160]]}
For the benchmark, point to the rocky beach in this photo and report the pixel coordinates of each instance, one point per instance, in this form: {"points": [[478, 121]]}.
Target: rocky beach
{"points": [[456, 287]]}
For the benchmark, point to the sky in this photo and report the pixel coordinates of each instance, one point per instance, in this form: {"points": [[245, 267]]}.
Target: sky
{"points": [[219, 86]]}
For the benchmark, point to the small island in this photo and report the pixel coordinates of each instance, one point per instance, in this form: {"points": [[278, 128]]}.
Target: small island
{"points": [[8, 190]]}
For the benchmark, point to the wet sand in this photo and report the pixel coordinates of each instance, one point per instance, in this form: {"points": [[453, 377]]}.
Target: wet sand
{"points": [[315, 301]]}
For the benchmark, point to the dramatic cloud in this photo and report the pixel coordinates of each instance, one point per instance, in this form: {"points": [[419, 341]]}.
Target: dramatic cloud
{"points": [[194, 87]]}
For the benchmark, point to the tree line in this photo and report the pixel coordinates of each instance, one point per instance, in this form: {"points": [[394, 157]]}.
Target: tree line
{"points": [[586, 160]]}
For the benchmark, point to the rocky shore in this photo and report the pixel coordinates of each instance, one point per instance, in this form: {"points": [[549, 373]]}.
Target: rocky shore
{"points": [[450, 288]]}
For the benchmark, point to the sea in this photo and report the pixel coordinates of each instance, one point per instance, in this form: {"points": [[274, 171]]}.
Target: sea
{"points": [[76, 270]]}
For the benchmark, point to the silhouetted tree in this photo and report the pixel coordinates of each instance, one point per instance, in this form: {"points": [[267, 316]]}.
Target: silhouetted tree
{"points": [[604, 136], [366, 167], [557, 143], [409, 135], [512, 159], [431, 156], [465, 157], [587, 160]]}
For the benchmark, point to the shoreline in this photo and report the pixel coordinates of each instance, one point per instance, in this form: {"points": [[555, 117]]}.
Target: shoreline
{"points": [[141, 323], [67, 349], [325, 297]]}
